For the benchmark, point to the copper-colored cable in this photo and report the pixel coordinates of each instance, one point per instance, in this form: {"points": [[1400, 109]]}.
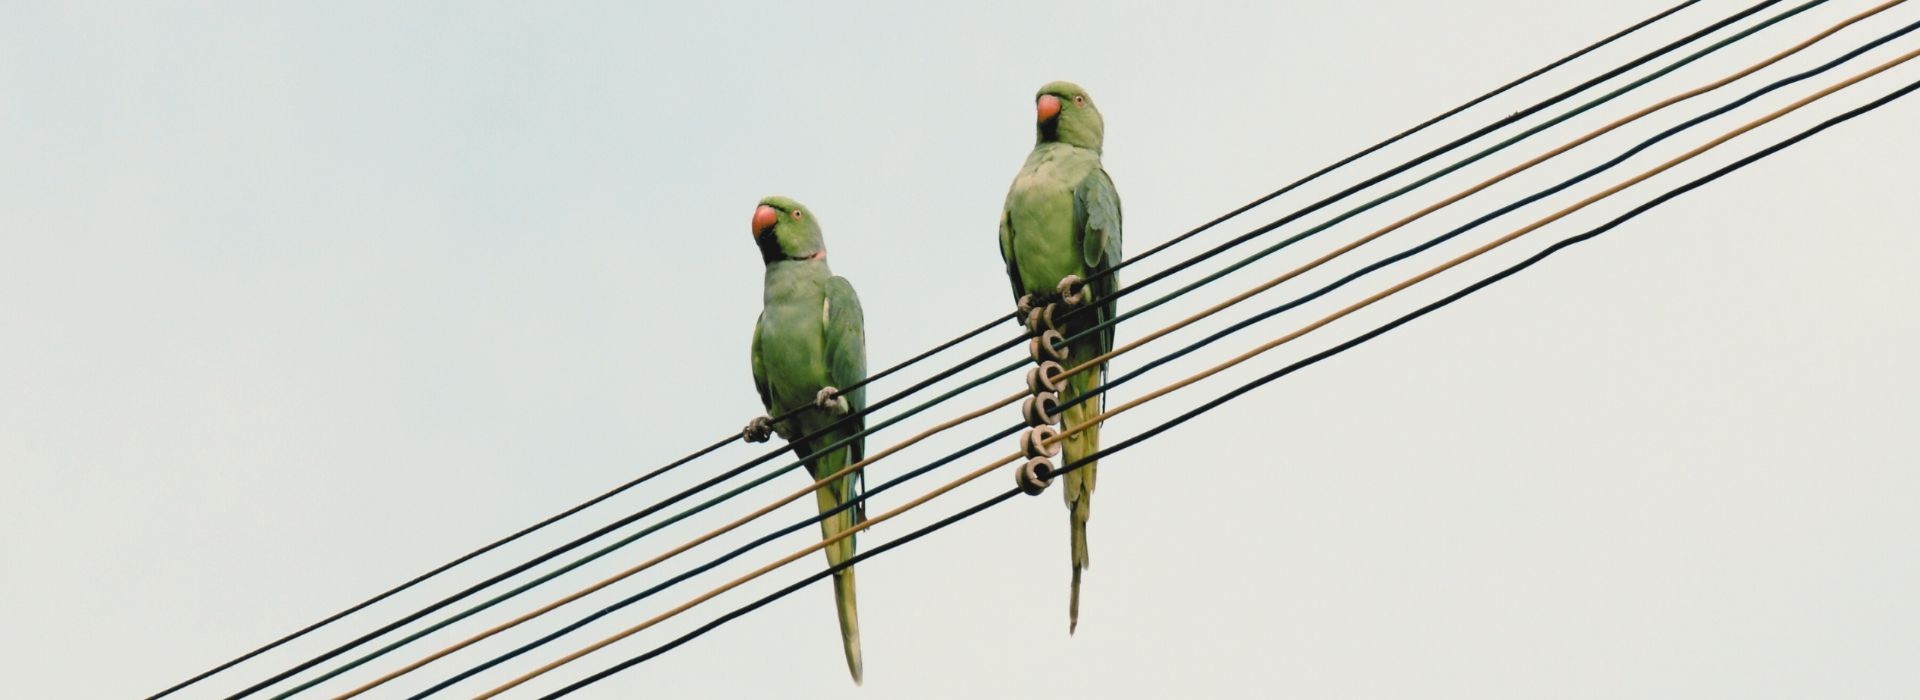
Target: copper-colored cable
{"points": [[1184, 382], [1133, 344]]}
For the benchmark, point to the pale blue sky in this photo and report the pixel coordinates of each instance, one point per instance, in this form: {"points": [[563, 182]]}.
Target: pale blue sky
{"points": [[303, 299]]}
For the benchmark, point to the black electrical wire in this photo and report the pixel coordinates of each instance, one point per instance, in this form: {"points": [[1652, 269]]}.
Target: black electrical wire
{"points": [[1249, 386], [1189, 348]]}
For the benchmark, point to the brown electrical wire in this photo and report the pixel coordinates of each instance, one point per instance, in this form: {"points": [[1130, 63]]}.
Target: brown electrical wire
{"points": [[1216, 369], [1123, 349]]}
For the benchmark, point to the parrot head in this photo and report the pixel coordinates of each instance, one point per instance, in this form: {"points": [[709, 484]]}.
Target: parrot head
{"points": [[786, 230], [1066, 114]]}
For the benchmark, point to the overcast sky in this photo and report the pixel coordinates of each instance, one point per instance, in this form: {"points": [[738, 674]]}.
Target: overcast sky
{"points": [[302, 299]]}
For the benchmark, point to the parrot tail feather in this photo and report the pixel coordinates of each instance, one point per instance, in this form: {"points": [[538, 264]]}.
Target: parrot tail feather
{"points": [[849, 621], [827, 498], [1079, 482]]}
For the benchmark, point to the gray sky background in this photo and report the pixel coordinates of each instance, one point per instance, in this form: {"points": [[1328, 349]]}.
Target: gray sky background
{"points": [[303, 299]]}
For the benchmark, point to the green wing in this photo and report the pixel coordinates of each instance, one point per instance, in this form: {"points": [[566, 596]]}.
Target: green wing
{"points": [[760, 369], [1006, 253], [1097, 211], [846, 350]]}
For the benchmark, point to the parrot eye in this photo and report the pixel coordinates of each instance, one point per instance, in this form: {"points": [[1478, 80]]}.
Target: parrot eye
{"points": [[796, 215], [1079, 100]]}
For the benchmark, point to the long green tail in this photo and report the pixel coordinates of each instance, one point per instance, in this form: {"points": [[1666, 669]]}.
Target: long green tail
{"points": [[827, 498], [1079, 482]]}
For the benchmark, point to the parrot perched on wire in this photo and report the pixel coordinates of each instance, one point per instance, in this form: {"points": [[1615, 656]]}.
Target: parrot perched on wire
{"points": [[1059, 232], [811, 338]]}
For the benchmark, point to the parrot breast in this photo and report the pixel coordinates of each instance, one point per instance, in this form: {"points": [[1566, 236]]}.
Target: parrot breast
{"points": [[1040, 210], [793, 333]]}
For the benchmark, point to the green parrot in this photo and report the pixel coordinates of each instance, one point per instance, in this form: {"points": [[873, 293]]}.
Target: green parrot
{"points": [[810, 338], [1061, 225]]}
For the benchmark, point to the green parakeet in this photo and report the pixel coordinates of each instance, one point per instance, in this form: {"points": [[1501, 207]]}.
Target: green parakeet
{"points": [[1062, 218], [811, 338]]}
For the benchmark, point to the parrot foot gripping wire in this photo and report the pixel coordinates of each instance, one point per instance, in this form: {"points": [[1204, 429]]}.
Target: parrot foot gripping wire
{"points": [[757, 430], [1040, 318], [1041, 409], [1047, 377], [1039, 444], [1044, 382], [1071, 290], [1040, 441], [1070, 293], [1034, 476], [1048, 346], [830, 400]]}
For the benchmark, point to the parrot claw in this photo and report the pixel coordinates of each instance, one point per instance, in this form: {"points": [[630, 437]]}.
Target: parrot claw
{"points": [[1025, 306], [830, 399], [1034, 476], [757, 430], [1071, 290]]}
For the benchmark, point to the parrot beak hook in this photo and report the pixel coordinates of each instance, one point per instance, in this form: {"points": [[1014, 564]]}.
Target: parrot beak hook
{"points": [[763, 220], [1047, 108]]}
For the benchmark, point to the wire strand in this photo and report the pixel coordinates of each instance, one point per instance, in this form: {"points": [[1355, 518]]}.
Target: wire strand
{"points": [[1237, 392]]}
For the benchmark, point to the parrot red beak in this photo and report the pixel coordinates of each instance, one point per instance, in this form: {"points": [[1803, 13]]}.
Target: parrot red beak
{"points": [[763, 219], [1048, 107]]}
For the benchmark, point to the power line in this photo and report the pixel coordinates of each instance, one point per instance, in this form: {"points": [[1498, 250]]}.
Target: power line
{"points": [[1240, 390], [772, 475], [917, 358]]}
